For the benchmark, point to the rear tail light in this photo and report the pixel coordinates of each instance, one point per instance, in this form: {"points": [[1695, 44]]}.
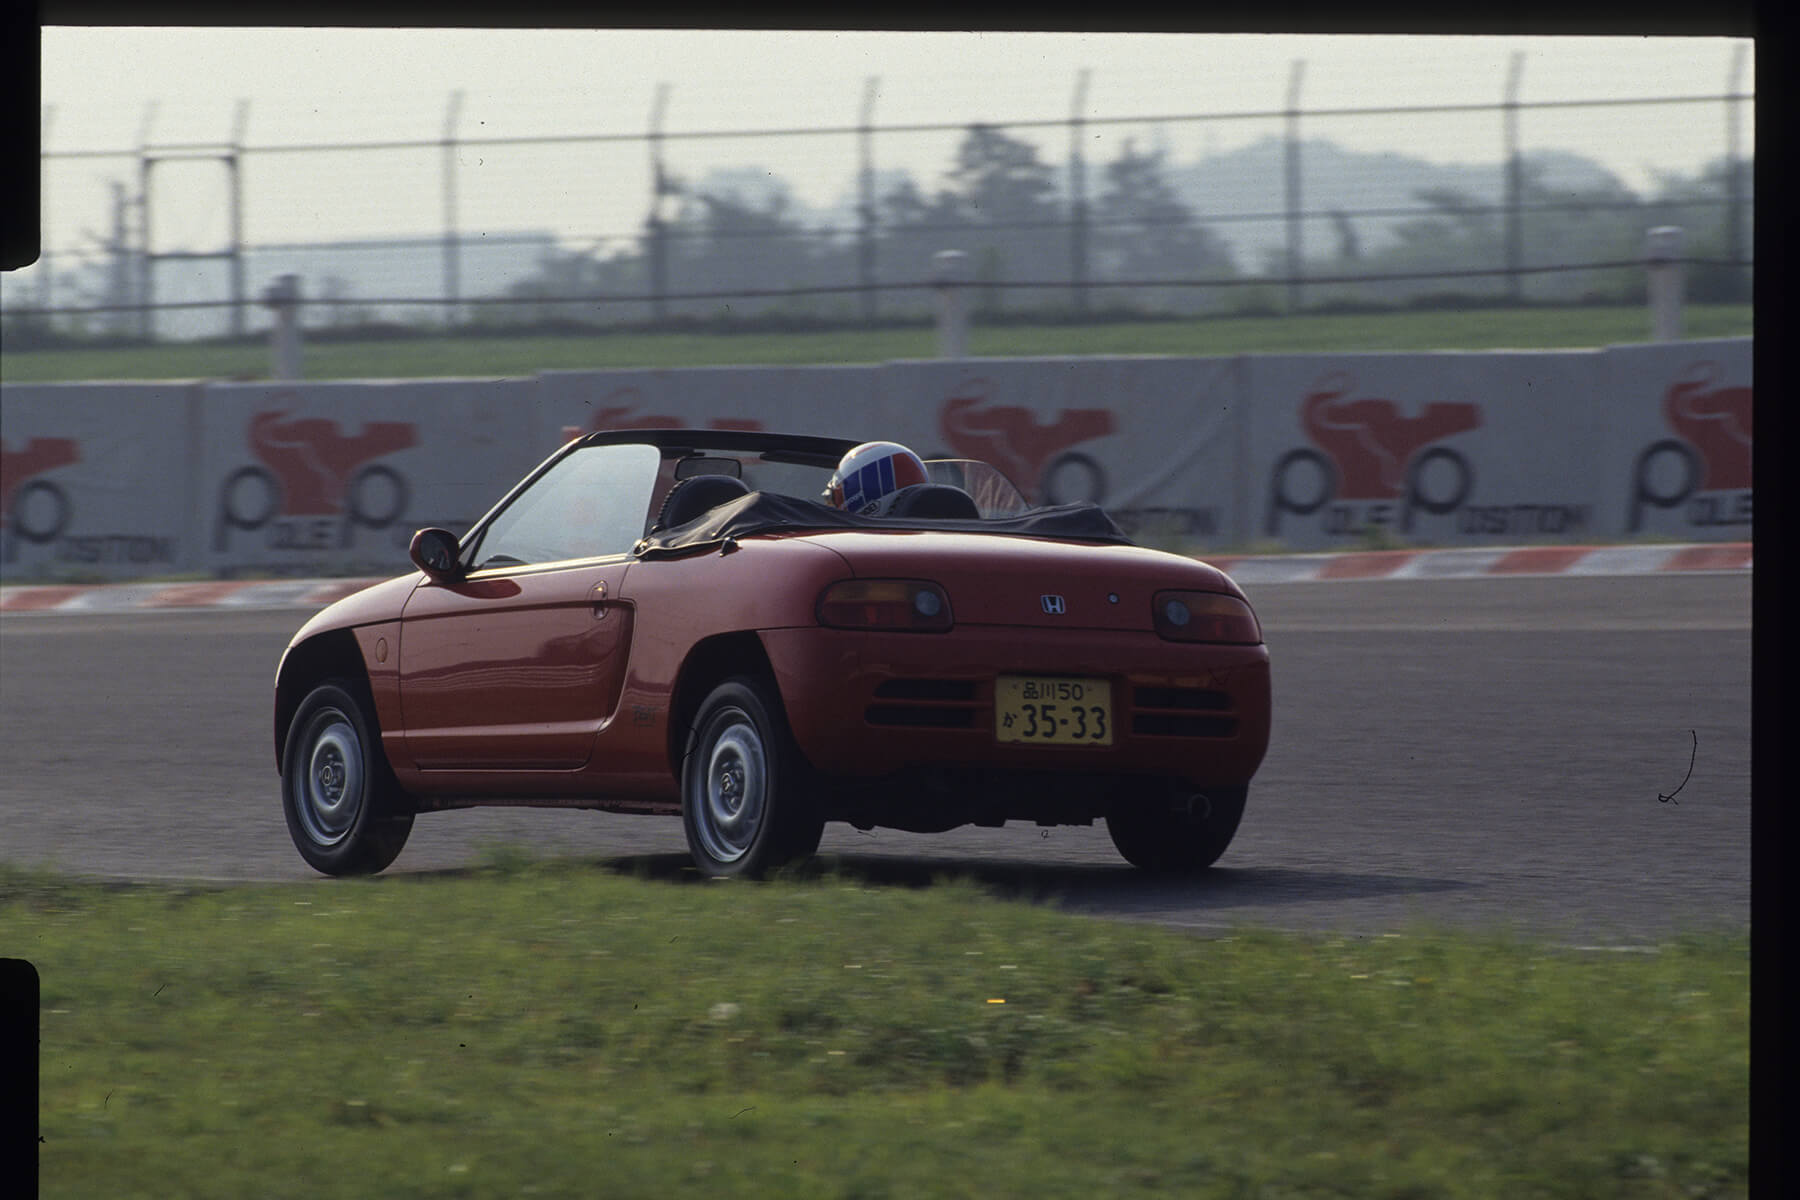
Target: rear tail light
{"points": [[1205, 617], [892, 604]]}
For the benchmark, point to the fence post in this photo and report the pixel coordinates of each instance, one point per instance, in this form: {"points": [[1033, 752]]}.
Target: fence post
{"points": [[120, 269], [452, 279], [1734, 181], [660, 185], [46, 276], [1294, 255], [146, 267], [232, 166], [1663, 257], [1078, 215], [283, 297], [950, 279], [1515, 182], [865, 185]]}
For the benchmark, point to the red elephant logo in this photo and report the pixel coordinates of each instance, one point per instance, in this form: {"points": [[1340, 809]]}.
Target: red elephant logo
{"points": [[1716, 421], [314, 460], [38, 456], [1368, 439], [1011, 437]]}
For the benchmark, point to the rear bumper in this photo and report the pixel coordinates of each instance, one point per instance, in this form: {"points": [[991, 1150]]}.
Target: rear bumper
{"points": [[873, 704]]}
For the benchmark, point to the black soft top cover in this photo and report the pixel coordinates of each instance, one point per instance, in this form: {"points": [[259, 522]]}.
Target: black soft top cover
{"points": [[771, 512]]}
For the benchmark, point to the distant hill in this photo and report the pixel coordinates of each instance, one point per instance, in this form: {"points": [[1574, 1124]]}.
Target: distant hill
{"points": [[1251, 181], [1225, 190]]}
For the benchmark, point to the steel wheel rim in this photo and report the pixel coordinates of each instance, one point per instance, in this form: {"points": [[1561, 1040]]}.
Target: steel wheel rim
{"points": [[331, 780], [734, 791]]}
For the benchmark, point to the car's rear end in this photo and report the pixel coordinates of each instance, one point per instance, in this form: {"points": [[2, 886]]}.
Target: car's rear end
{"points": [[979, 678]]}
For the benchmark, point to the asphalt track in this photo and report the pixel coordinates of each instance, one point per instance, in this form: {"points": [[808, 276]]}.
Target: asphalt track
{"points": [[1484, 753]]}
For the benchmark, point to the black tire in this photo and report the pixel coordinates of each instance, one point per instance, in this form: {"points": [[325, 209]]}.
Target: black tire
{"points": [[1166, 834], [747, 801], [344, 810]]}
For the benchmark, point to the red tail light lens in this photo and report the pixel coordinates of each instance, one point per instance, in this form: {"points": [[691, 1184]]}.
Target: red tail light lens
{"points": [[1205, 617], [913, 605]]}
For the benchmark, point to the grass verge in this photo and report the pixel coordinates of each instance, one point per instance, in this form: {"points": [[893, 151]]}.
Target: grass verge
{"points": [[479, 356], [546, 1029]]}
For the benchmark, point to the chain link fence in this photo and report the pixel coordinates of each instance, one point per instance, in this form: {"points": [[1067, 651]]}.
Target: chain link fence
{"points": [[1080, 218]]}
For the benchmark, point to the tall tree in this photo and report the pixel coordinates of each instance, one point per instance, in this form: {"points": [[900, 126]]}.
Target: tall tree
{"points": [[1000, 181], [728, 243], [905, 208], [1018, 231], [1145, 231]]}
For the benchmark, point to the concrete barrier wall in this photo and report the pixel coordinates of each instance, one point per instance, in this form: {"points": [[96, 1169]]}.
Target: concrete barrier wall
{"points": [[1675, 441], [1303, 451], [1440, 448], [98, 479], [333, 478]]}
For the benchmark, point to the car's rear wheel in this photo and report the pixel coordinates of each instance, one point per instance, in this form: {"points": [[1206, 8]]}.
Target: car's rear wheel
{"points": [[344, 810], [1176, 830], [746, 799]]}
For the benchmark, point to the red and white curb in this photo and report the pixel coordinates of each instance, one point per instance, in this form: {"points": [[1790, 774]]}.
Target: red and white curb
{"points": [[1246, 569], [1485, 561], [215, 594]]}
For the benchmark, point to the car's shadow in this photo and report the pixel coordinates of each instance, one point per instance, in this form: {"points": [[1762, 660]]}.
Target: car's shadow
{"points": [[1100, 888]]}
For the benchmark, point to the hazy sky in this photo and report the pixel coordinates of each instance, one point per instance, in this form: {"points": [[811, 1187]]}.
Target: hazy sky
{"points": [[332, 85]]}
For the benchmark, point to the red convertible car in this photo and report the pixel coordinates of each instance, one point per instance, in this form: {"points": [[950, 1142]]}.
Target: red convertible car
{"points": [[672, 621]]}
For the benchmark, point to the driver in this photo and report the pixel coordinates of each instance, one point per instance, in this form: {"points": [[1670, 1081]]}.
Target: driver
{"points": [[868, 477]]}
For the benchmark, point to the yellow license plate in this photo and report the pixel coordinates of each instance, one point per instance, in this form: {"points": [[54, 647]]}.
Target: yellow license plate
{"points": [[1053, 710]]}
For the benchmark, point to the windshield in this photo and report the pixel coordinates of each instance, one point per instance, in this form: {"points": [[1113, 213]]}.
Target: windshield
{"points": [[994, 493], [588, 505]]}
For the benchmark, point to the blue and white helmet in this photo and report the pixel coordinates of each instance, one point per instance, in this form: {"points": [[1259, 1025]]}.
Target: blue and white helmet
{"points": [[872, 472]]}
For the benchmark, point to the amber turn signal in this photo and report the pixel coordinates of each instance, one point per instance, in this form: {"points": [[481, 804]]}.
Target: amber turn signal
{"points": [[913, 605], [1205, 617]]}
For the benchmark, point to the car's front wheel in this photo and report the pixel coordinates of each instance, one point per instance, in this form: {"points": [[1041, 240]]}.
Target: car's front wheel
{"points": [[1176, 831], [746, 803], [344, 810]]}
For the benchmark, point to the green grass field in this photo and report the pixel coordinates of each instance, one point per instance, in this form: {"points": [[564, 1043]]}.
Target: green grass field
{"points": [[549, 1029], [494, 356]]}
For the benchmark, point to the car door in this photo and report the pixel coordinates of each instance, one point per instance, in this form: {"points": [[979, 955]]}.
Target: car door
{"points": [[516, 664]]}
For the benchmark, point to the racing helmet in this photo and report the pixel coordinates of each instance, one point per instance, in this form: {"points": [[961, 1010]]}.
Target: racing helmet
{"points": [[872, 472]]}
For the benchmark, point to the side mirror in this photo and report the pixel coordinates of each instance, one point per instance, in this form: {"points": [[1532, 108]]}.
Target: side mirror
{"points": [[434, 552]]}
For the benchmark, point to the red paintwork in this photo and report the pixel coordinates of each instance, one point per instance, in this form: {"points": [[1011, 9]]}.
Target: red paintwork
{"points": [[530, 686], [516, 672], [831, 729], [378, 602], [994, 586]]}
